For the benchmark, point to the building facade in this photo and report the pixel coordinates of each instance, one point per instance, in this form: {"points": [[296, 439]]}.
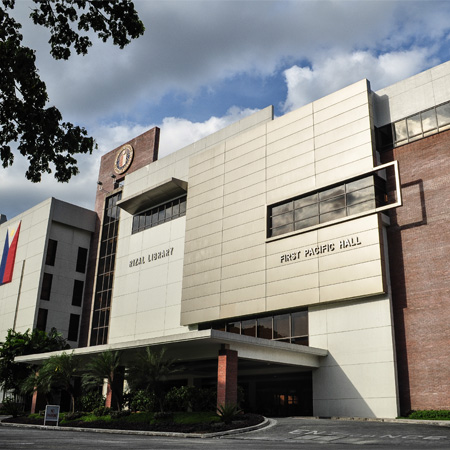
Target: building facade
{"points": [[302, 258]]}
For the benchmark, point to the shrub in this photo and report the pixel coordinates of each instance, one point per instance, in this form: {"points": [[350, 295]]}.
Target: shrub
{"points": [[74, 415], [163, 416], [204, 399], [11, 407], [227, 412], [430, 415], [91, 401], [142, 400], [120, 414], [101, 411]]}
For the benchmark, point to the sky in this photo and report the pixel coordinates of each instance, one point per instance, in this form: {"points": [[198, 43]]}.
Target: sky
{"points": [[202, 65]]}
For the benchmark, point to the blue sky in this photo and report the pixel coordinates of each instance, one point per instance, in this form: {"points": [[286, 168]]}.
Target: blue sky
{"points": [[202, 65]]}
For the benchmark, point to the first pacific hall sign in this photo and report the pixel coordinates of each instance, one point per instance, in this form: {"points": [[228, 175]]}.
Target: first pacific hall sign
{"points": [[328, 247]]}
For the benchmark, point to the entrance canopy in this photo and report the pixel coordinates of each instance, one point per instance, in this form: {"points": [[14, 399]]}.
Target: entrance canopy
{"points": [[205, 344]]}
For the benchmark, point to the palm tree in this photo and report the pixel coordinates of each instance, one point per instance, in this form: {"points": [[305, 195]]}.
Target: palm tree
{"points": [[58, 372], [150, 373], [105, 365]]}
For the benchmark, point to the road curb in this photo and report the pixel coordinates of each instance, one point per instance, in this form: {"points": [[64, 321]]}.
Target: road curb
{"points": [[265, 423]]}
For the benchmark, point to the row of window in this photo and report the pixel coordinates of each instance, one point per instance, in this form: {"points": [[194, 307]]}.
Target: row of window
{"points": [[77, 292], [417, 126], [74, 323], [159, 214], [105, 270], [347, 199], [287, 327]]}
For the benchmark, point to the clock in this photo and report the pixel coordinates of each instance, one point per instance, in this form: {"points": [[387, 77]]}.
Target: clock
{"points": [[124, 158]]}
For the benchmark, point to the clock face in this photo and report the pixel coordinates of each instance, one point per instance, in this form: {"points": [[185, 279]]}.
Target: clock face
{"points": [[124, 158]]}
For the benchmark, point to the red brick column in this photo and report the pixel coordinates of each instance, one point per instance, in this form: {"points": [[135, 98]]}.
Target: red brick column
{"points": [[34, 402], [227, 377], [109, 394]]}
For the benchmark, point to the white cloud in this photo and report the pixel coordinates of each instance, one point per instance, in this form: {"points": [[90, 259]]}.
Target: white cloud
{"points": [[328, 74]]}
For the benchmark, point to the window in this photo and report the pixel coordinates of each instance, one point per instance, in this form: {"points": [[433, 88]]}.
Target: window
{"points": [[46, 286], [81, 260], [51, 252], [353, 197], [159, 214], [42, 319], [73, 327], [417, 126], [77, 295], [287, 327]]}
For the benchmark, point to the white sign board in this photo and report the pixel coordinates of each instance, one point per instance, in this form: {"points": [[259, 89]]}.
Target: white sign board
{"points": [[51, 414]]}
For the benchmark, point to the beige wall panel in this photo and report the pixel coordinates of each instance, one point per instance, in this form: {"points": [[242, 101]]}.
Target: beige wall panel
{"points": [[290, 117], [342, 119], [348, 171], [294, 269], [257, 167], [207, 217], [208, 176], [256, 227], [245, 137], [205, 209], [279, 170], [123, 306], [212, 195], [242, 295], [196, 304], [352, 289], [245, 160], [246, 254], [233, 152], [172, 321], [245, 180], [197, 189], [212, 233], [201, 266], [343, 158], [288, 150], [283, 192], [243, 281], [199, 165], [244, 217], [280, 133], [201, 278], [202, 290], [348, 257], [287, 245], [255, 306], [356, 140], [441, 89], [244, 194], [173, 294], [289, 180], [203, 254], [149, 299], [239, 267], [245, 205], [350, 273], [340, 96], [343, 132], [351, 228], [347, 104], [150, 321], [296, 284], [202, 315], [241, 243], [293, 300]]}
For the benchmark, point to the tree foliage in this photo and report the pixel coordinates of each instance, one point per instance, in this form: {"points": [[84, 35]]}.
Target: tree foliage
{"points": [[150, 373], [25, 116], [105, 365], [12, 374]]}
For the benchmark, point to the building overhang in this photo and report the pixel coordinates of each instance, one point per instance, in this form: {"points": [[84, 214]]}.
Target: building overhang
{"points": [[147, 198], [201, 345]]}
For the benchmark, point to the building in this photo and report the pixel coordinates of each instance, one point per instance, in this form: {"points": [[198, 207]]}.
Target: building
{"points": [[303, 258]]}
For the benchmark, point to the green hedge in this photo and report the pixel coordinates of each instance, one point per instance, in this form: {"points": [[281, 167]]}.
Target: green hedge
{"points": [[442, 414]]}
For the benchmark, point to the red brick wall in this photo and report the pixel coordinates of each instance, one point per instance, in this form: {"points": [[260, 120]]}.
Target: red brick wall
{"points": [[227, 377], [419, 255], [145, 151]]}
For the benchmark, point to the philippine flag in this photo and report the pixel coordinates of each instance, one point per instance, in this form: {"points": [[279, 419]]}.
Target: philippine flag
{"points": [[9, 255]]}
